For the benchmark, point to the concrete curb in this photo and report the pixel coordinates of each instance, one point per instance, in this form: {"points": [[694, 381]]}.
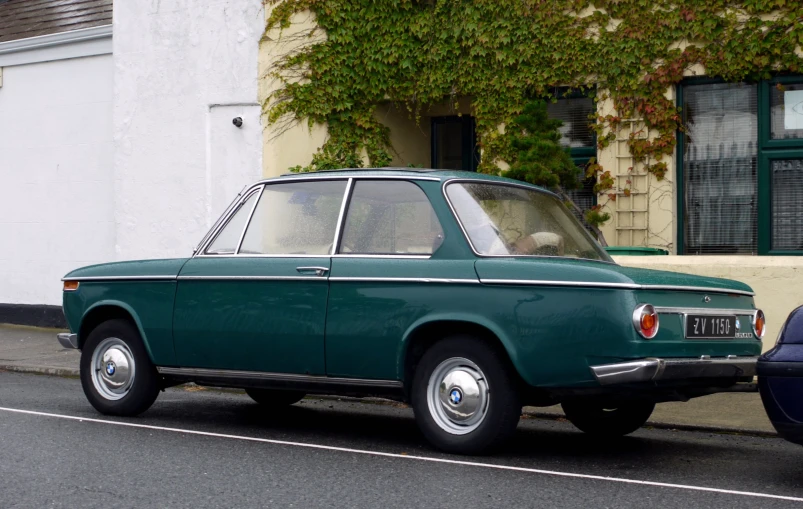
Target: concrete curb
{"points": [[74, 373], [41, 370]]}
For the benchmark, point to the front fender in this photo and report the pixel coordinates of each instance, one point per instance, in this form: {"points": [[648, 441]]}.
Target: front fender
{"points": [[128, 309]]}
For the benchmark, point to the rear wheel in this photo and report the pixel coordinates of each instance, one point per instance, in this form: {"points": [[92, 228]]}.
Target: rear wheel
{"points": [[464, 396], [608, 420], [270, 397], [117, 375]]}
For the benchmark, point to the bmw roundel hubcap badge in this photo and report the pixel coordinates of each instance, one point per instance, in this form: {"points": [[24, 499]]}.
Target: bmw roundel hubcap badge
{"points": [[110, 369], [456, 396]]}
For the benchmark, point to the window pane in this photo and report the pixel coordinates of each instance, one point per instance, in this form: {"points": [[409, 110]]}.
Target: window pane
{"points": [[719, 168], [507, 220], [227, 239], [576, 129], [390, 217], [787, 204], [295, 218], [786, 112]]}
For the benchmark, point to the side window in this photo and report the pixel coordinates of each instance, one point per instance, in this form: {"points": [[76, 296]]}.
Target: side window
{"points": [[295, 218], [228, 238], [390, 217]]}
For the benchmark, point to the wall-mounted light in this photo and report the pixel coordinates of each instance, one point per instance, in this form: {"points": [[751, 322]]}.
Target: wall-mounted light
{"points": [[237, 121]]}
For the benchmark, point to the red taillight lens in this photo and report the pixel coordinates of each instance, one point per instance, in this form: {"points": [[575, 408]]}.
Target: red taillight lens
{"points": [[645, 320], [759, 324]]}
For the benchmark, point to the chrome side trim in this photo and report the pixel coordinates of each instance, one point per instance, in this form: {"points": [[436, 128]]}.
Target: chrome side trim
{"points": [[510, 184], [652, 369], [120, 278], [341, 216], [593, 284], [403, 280], [252, 278], [248, 219], [67, 340], [704, 311], [225, 374]]}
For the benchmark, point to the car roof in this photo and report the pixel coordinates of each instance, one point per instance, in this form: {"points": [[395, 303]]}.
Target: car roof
{"points": [[428, 173]]}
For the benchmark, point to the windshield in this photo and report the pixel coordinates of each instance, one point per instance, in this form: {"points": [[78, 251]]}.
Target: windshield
{"points": [[504, 220]]}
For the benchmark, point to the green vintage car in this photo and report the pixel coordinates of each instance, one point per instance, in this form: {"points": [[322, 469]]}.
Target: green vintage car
{"points": [[465, 295]]}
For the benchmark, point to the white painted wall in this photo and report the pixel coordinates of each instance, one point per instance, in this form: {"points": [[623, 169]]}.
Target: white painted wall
{"points": [[182, 71], [56, 191]]}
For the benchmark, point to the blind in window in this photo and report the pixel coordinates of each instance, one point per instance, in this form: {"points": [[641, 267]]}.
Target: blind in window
{"points": [[574, 112], [719, 168], [787, 204]]}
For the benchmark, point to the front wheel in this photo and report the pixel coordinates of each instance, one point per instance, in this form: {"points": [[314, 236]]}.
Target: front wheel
{"points": [[464, 396], [117, 375], [608, 420]]}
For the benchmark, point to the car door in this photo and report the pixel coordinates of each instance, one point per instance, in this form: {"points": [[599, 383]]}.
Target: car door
{"points": [[254, 299], [389, 272]]}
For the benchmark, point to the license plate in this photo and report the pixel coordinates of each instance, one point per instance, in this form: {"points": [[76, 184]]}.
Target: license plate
{"points": [[710, 327]]}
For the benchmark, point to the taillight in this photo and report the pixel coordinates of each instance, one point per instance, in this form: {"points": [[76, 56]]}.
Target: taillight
{"points": [[759, 324], [645, 320]]}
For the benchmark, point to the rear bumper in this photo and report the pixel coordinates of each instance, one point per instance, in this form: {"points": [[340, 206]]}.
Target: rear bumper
{"points": [[654, 370]]}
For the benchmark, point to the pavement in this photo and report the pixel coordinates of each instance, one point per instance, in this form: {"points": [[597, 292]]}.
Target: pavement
{"points": [[200, 448], [35, 350]]}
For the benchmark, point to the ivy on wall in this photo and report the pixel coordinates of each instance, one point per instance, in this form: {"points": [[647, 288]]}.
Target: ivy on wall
{"points": [[499, 54]]}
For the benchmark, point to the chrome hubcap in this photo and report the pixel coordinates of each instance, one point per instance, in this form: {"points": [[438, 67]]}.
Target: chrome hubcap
{"points": [[113, 368], [458, 395]]}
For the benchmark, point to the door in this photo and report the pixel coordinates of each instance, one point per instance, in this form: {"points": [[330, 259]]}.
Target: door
{"points": [[255, 298], [454, 143], [385, 278]]}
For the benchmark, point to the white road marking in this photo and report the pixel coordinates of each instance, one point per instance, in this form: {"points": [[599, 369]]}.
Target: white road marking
{"points": [[408, 457]]}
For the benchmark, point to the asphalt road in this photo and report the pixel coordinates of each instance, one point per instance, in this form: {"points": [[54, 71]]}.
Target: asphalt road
{"points": [[202, 448]]}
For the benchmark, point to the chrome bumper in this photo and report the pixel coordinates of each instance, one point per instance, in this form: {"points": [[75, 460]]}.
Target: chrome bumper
{"points": [[68, 340], [653, 370]]}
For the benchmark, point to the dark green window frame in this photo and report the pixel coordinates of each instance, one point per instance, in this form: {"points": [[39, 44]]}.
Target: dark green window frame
{"points": [[768, 150], [470, 149]]}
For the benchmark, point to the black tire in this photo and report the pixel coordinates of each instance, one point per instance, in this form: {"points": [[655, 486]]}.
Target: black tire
{"points": [[503, 409], [605, 421], [271, 397], [143, 389]]}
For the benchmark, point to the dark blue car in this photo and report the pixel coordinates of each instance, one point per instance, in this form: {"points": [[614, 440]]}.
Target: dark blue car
{"points": [[780, 379]]}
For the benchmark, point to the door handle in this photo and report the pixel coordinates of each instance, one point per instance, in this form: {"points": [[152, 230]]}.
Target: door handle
{"points": [[318, 271]]}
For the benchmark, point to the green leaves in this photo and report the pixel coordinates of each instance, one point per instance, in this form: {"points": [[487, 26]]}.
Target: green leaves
{"points": [[502, 53]]}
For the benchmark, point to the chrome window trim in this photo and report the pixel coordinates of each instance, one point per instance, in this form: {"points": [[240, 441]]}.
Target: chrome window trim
{"points": [[341, 217], [254, 255], [279, 377], [233, 203], [625, 286], [120, 278], [289, 178], [403, 280], [248, 221], [509, 184], [389, 256], [222, 223], [252, 278], [261, 185]]}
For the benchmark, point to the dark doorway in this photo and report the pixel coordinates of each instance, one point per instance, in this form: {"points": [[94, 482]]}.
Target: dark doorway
{"points": [[454, 143]]}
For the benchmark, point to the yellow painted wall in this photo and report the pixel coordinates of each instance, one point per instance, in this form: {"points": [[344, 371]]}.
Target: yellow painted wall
{"points": [[410, 141], [777, 280], [285, 145]]}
